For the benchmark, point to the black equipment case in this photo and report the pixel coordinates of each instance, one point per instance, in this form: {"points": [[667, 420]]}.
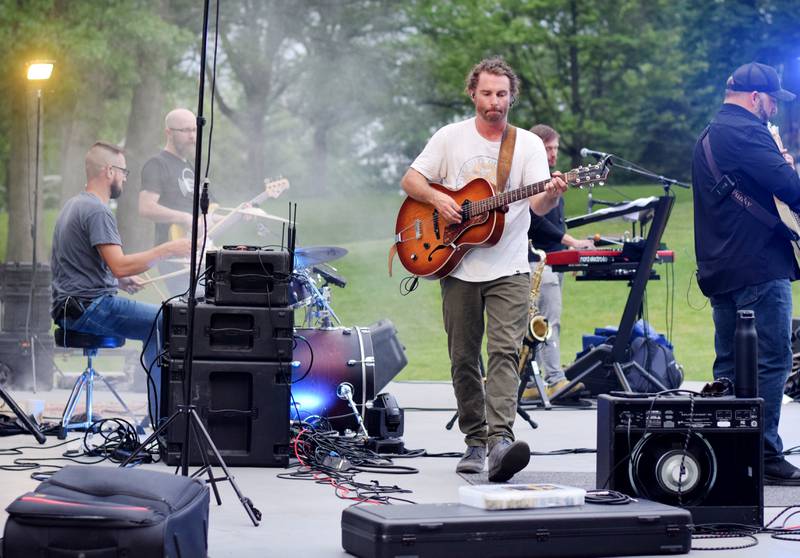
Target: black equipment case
{"points": [[455, 530], [109, 512]]}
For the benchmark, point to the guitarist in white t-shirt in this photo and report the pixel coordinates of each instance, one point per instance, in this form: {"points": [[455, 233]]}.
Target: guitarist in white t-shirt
{"points": [[488, 290]]}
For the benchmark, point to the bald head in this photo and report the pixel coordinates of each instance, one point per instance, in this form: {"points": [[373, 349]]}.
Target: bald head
{"points": [[100, 156], [181, 129], [179, 118]]}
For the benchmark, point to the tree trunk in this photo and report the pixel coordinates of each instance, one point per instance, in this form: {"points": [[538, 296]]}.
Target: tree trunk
{"points": [[319, 161], [79, 130], [145, 131], [22, 177]]}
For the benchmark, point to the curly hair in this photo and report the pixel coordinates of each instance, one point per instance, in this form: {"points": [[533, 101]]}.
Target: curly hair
{"points": [[497, 66]]}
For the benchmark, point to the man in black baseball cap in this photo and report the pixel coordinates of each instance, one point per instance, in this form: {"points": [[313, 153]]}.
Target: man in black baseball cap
{"points": [[744, 261], [761, 78]]}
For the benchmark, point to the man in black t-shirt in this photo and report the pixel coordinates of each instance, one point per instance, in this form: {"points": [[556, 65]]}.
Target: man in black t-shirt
{"points": [[167, 188]]}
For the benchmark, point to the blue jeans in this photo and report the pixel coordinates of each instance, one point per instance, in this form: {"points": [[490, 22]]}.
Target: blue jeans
{"points": [[123, 317], [772, 304]]}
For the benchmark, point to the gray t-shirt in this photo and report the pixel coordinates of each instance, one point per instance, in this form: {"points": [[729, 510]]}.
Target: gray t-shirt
{"points": [[78, 269]]}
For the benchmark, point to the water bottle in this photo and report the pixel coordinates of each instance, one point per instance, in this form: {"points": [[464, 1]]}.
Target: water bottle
{"points": [[745, 354]]}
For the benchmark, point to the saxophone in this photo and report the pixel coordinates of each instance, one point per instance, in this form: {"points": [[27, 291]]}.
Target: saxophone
{"points": [[538, 330]]}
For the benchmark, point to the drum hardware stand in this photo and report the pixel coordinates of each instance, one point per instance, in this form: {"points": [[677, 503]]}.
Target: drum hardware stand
{"points": [[193, 422]]}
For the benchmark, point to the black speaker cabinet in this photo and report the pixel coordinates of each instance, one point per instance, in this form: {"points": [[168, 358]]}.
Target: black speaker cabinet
{"points": [[248, 277], [230, 333], [244, 406], [644, 443]]}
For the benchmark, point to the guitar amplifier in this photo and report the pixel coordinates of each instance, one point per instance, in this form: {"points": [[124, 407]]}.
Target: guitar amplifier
{"points": [[248, 276], [703, 454], [230, 333], [244, 406]]}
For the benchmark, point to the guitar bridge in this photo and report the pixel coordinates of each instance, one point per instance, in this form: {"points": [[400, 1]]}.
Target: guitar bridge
{"points": [[436, 224]]}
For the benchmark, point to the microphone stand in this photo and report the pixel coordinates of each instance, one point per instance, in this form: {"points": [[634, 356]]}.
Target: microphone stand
{"points": [[187, 410], [665, 181]]}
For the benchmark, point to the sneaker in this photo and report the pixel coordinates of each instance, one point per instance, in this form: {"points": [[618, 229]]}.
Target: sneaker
{"points": [[531, 394], [473, 459], [507, 458], [781, 472]]}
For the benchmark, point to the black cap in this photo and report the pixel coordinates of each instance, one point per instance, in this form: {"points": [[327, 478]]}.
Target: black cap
{"points": [[761, 78]]}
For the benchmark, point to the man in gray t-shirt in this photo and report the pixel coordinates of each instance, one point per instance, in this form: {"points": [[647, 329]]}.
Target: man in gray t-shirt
{"points": [[78, 269], [88, 265]]}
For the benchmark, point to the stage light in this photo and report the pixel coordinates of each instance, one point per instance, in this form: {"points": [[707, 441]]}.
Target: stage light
{"points": [[40, 70]]}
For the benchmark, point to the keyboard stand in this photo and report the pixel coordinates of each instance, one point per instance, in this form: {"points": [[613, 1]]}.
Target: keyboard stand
{"points": [[617, 354]]}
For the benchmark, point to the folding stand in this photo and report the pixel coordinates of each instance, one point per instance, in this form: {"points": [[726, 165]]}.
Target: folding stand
{"points": [[29, 425], [616, 355]]}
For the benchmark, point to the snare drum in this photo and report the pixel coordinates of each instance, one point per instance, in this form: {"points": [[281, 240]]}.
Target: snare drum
{"points": [[325, 358]]}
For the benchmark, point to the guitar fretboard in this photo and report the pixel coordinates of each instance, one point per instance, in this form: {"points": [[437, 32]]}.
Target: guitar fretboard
{"points": [[511, 196]]}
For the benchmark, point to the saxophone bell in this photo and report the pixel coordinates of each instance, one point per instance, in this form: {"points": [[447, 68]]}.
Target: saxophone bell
{"points": [[539, 328]]}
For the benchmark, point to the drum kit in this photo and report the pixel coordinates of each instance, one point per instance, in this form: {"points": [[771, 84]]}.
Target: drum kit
{"points": [[310, 270], [327, 355]]}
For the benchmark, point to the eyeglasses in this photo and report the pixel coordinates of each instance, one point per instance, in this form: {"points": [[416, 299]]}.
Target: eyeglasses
{"points": [[125, 172], [185, 130]]}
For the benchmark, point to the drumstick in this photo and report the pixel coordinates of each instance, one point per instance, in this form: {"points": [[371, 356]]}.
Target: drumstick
{"points": [[165, 276], [146, 275]]}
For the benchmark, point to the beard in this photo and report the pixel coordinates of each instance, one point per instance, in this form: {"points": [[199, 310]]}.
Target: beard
{"points": [[186, 150], [761, 112], [116, 190]]}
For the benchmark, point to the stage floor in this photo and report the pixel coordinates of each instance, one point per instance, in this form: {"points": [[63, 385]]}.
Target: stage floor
{"points": [[301, 518]]}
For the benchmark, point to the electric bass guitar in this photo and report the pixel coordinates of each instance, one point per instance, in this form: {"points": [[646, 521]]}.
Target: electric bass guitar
{"points": [[789, 217], [427, 248], [272, 189]]}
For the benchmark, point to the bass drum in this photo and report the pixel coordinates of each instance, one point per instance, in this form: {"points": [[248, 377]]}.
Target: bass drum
{"points": [[324, 359]]}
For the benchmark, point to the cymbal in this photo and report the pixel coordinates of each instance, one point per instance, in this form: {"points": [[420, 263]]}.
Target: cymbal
{"points": [[312, 255]]}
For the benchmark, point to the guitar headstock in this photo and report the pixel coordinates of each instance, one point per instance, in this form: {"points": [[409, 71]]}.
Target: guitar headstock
{"points": [[589, 174], [274, 188]]}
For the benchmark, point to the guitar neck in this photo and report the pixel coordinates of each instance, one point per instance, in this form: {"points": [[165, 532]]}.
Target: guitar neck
{"points": [[232, 218], [505, 198]]}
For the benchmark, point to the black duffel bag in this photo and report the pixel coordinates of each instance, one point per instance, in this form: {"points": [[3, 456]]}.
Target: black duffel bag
{"points": [[105, 512]]}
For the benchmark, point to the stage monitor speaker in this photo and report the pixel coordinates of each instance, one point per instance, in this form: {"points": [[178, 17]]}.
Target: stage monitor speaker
{"points": [[249, 276], [390, 354], [230, 332], [702, 454], [244, 406]]}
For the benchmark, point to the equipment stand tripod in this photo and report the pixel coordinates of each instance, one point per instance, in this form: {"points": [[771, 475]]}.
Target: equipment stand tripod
{"points": [[29, 425], [193, 423], [205, 443]]}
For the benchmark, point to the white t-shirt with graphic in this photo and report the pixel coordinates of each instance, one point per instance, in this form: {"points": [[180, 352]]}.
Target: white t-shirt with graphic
{"points": [[457, 154]]}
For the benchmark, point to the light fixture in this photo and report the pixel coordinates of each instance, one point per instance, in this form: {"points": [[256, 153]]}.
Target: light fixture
{"points": [[40, 70]]}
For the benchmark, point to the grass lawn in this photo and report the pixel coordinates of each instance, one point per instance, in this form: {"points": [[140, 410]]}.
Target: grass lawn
{"points": [[364, 224]]}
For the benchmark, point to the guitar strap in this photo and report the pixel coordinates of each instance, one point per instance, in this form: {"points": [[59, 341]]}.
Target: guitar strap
{"points": [[505, 157], [503, 170], [726, 187]]}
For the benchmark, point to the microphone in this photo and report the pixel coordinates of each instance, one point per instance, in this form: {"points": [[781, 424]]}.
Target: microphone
{"points": [[344, 391], [585, 152]]}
